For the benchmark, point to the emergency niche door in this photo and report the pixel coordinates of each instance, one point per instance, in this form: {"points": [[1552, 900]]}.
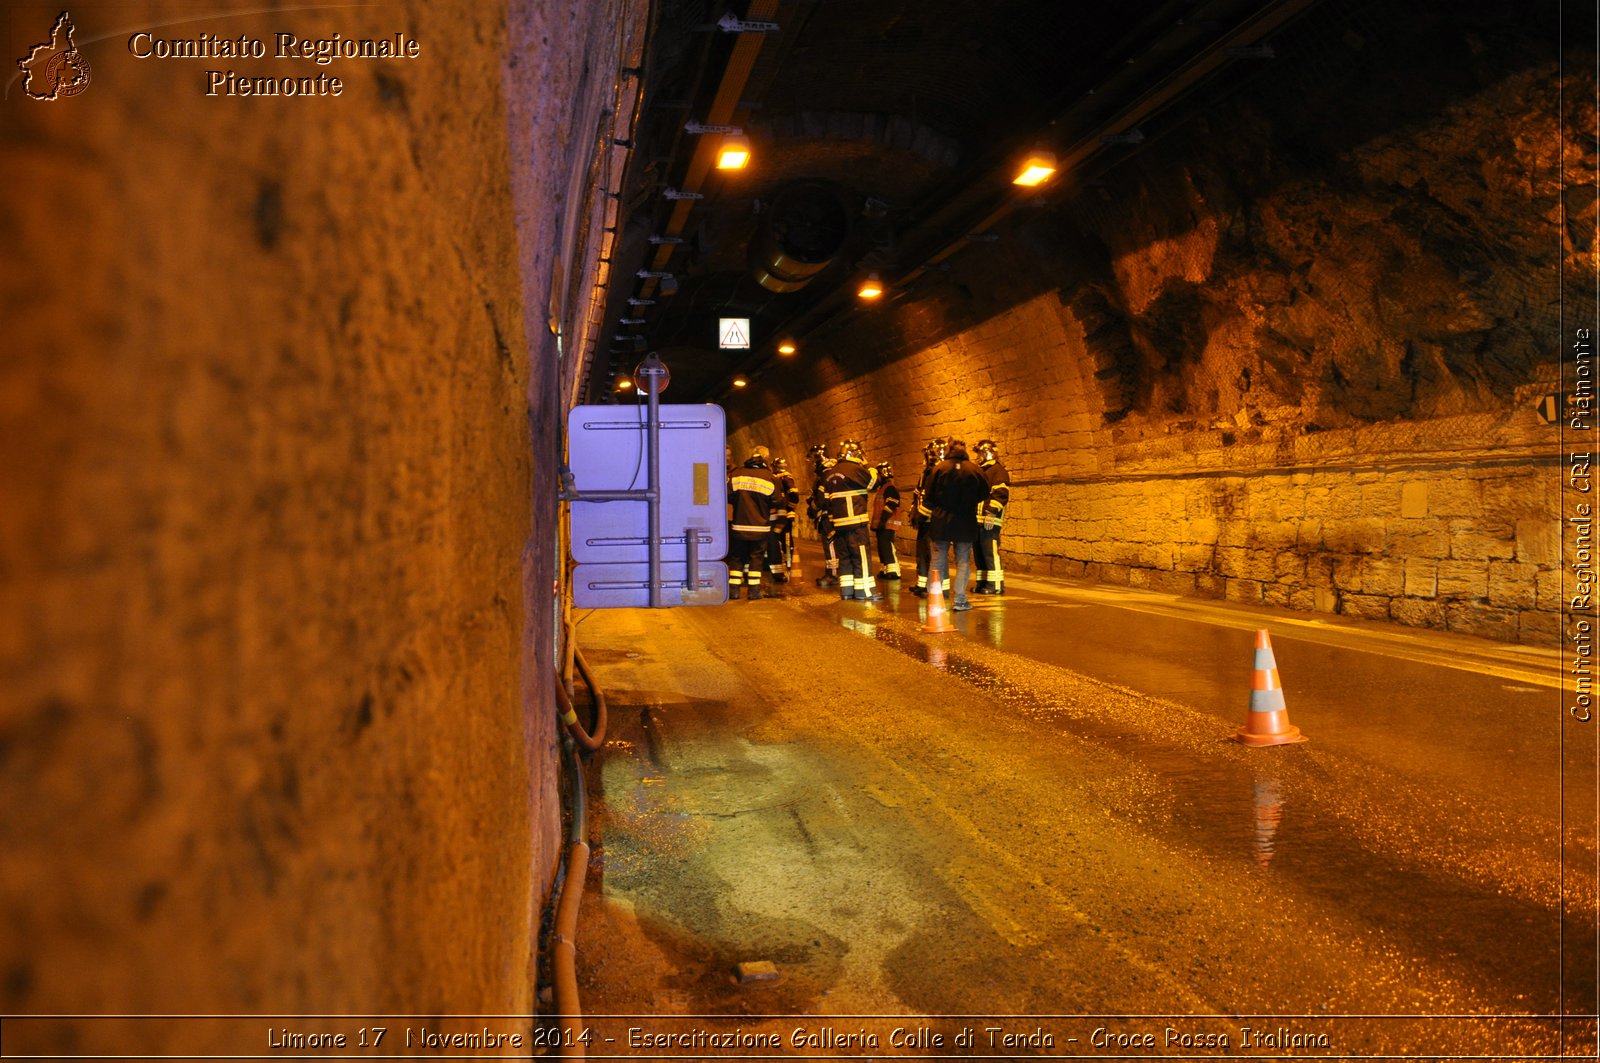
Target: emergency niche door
{"points": [[607, 450]]}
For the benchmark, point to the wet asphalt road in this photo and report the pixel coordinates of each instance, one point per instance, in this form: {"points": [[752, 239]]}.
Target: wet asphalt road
{"points": [[1037, 824]]}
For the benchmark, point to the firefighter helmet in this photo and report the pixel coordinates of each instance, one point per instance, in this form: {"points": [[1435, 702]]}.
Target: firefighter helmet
{"points": [[779, 465], [988, 450], [885, 470], [757, 458], [850, 450]]}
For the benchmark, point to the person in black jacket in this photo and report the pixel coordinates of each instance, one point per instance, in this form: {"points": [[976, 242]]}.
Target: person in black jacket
{"points": [[752, 492], [956, 490], [849, 484], [817, 510], [932, 455], [780, 546], [991, 576], [886, 520]]}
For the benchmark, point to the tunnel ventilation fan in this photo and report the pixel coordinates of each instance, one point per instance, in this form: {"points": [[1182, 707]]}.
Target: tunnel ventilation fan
{"points": [[800, 234]]}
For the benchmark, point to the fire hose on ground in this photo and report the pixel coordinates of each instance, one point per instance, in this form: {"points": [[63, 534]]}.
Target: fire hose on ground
{"points": [[563, 948]]}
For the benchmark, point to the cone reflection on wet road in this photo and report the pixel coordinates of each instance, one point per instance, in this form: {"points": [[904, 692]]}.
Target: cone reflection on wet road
{"points": [[1269, 815]]}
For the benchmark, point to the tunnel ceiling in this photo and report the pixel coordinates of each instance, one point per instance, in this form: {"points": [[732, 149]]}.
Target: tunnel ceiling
{"points": [[883, 135]]}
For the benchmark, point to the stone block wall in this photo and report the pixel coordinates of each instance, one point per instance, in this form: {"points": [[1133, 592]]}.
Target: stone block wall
{"points": [[1447, 524], [279, 411], [1421, 547]]}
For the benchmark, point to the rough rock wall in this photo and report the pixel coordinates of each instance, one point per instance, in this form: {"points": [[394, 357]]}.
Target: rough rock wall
{"points": [[279, 411], [1287, 353]]}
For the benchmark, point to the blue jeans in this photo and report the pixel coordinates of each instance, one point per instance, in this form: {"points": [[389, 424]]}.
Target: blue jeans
{"points": [[941, 567]]}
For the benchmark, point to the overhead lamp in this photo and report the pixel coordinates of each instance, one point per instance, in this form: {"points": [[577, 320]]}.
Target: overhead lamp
{"points": [[739, 381], [623, 384], [786, 347], [870, 288], [1036, 169], [734, 154]]}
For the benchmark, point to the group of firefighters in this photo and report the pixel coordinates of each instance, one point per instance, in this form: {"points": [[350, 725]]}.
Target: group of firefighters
{"points": [[957, 506]]}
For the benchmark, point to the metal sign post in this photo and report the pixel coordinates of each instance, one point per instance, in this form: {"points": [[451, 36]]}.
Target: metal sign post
{"points": [[653, 370]]}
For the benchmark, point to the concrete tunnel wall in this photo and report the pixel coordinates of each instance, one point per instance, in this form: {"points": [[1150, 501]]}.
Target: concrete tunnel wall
{"points": [[280, 413], [1287, 353]]}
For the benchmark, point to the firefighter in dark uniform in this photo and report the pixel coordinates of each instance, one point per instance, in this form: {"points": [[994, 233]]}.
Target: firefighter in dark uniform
{"points": [[780, 554], [932, 455], [752, 492], [821, 519], [886, 521], [849, 484], [991, 577]]}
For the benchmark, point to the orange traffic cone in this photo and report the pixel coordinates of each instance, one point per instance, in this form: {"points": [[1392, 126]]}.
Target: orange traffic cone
{"points": [[1268, 722], [938, 616]]}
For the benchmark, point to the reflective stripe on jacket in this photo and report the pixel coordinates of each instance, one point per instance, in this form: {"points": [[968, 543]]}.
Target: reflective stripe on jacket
{"points": [[751, 492], [849, 484]]}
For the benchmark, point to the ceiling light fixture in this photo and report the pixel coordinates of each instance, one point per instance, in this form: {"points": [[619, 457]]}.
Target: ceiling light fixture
{"points": [[739, 382], [734, 154], [786, 347], [1036, 169], [870, 288]]}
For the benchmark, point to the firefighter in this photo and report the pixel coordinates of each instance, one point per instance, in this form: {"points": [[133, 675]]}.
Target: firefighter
{"points": [[817, 510], [752, 493], [849, 485], [932, 454], [780, 553], [886, 521], [991, 577]]}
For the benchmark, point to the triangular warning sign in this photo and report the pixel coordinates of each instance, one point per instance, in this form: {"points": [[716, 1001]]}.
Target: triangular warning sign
{"points": [[733, 332]]}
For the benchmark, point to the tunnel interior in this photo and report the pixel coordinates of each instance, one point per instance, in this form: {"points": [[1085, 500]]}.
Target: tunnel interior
{"points": [[281, 567], [1276, 333]]}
